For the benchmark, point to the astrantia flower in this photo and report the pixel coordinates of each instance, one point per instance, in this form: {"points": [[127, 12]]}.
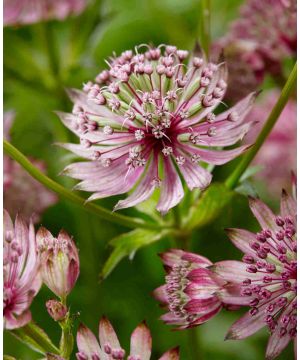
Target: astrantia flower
{"points": [[278, 147], [268, 275], [17, 12], [258, 43], [21, 275], [110, 348], [150, 119], [193, 293], [23, 194], [59, 261]]}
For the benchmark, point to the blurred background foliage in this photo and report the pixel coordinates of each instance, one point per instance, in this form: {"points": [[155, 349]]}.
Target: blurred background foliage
{"points": [[78, 48]]}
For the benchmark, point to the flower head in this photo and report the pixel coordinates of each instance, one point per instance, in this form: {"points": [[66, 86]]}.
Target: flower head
{"points": [[110, 348], [267, 275], [22, 193], [277, 147], [20, 12], [59, 261], [150, 119], [56, 309], [257, 43], [193, 293], [21, 275]]}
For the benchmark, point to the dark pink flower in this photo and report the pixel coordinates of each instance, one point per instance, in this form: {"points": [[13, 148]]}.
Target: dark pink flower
{"points": [[21, 275], [280, 146], [22, 193], [110, 348], [20, 12], [193, 293], [59, 261], [267, 275], [150, 119]]}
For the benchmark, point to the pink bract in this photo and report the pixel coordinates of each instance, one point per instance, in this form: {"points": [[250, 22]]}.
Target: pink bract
{"points": [[21, 275], [21, 12], [268, 275], [110, 348], [149, 120]]}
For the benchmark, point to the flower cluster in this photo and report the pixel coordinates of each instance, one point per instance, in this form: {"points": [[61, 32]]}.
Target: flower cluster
{"points": [[17, 12], [150, 119], [266, 280], [22, 193], [110, 348], [277, 147], [21, 278], [258, 42]]}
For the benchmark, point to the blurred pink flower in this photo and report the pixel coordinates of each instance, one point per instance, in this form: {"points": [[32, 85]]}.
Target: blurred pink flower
{"points": [[267, 275], [21, 278], [150, 121], [110, 348], [280, 147], [193, 293], [22, 193], [257, 43], [59, 261], [20, 12]]}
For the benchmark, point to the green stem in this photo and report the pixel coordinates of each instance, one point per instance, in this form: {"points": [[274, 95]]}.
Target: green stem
{"points": [[234, 178], [67, 194], [204, 26], [194, 343], [35, 338], [51, 51]]}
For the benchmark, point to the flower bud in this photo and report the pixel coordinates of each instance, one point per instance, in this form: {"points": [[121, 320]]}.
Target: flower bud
{"points": [[59, 261], [56, 309]]}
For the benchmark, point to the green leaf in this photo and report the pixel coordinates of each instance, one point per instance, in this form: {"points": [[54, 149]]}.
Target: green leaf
{"points": [[36, 338], [8, 357], [127, 244], [208, 206]]}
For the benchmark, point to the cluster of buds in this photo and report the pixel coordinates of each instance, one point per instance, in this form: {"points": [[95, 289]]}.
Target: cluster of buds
{"points": [[153, 108], [110, 348]]}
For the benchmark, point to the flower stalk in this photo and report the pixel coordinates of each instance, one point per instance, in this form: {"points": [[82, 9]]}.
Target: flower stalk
{"points": [[69, 195], [204, 26], [234, 178]]}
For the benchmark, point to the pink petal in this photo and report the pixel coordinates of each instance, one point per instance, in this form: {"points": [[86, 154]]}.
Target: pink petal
{"points": [[160, 294], [232, 270], [107, 334], [241, 239], [277, 343], [207, 316], [246, 326], [202, 306], [172, 354], [141, 342], [12, 321], [194, 175], [230, 295], [263, 214], [87, 342], [288, 205], [171, 188]]}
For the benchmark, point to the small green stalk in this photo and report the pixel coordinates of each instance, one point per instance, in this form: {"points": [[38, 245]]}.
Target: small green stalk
{"points": [[233, 180], [105, 214], [67, 340]]}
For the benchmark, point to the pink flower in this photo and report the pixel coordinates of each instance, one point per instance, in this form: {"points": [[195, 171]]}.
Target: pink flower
{"points": [[59, 261], [267, 275], [22, 193], [110, 348], [280, 146], [20, 12], [193, 293], [149, 120], [258, 43], [56, 309], [21, 275]]}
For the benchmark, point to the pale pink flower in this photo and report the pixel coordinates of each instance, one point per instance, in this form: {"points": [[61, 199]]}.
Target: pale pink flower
{"points": [[257, 43], [280, 146], [110, 348], [22, 193], [150, 119], [267, 275], [21, 275], [21, 12], [193, 294], [59, 261]]}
